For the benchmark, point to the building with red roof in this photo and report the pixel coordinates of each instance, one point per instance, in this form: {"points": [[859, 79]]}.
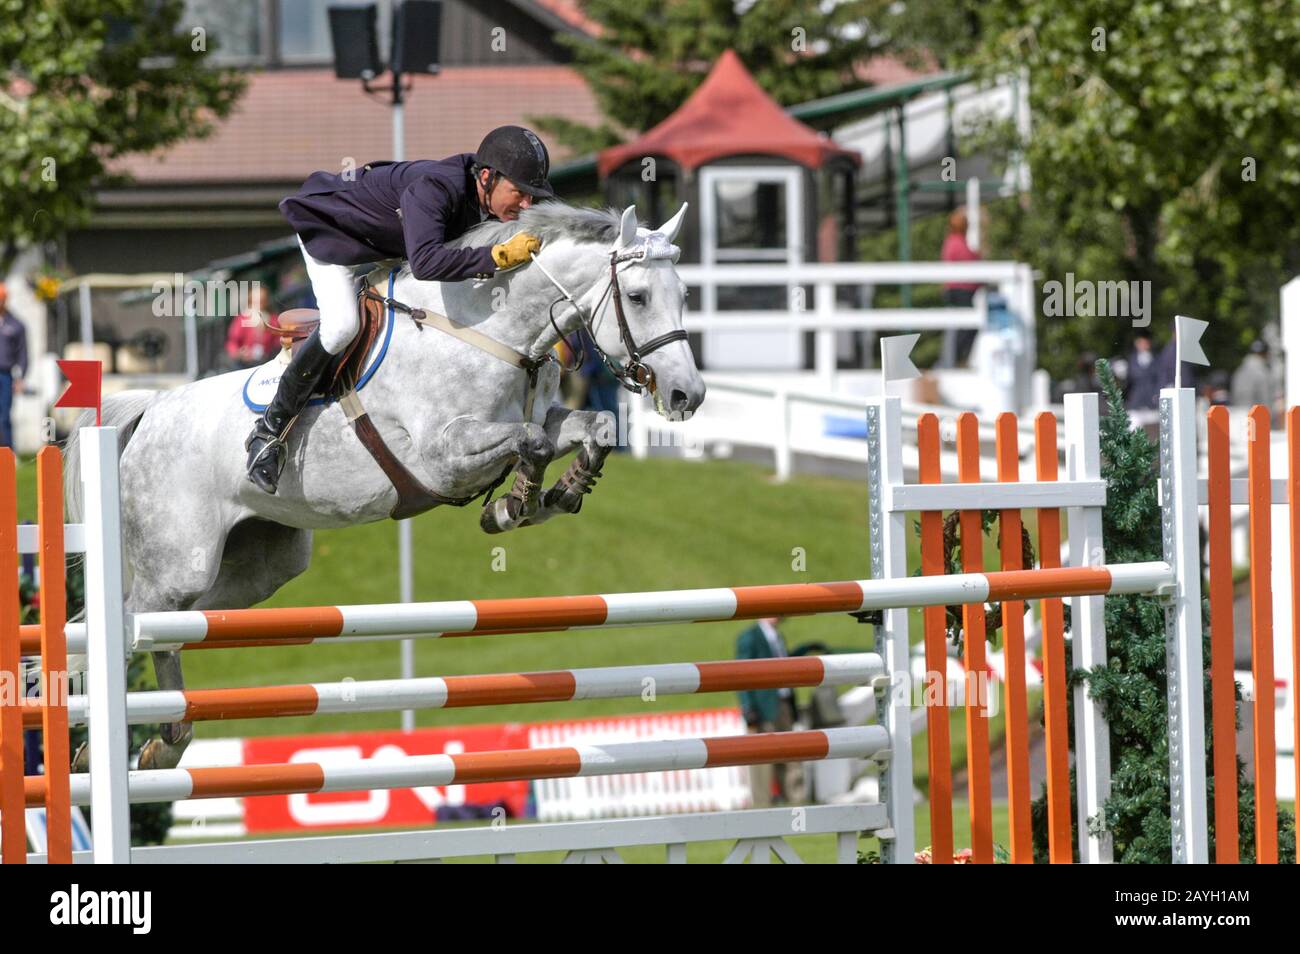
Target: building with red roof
{"points": [[762, 185]]}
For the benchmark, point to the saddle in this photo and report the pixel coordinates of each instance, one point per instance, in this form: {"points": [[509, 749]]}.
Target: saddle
{"points": [[297, 324]]}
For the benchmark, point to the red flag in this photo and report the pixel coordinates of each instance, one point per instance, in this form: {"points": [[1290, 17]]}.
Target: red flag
{"points": [[85, 379]]}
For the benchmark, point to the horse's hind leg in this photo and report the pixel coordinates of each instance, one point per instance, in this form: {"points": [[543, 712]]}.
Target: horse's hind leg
{"points": [[166, 748], [166, 576], [259, 558]]}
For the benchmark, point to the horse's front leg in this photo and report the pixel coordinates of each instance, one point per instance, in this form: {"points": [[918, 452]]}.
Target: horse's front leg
{"points": [[474, 445], [593, 433]]}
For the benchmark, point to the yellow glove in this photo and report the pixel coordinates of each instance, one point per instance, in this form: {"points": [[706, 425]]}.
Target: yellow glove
{"points": [[517, 251]]}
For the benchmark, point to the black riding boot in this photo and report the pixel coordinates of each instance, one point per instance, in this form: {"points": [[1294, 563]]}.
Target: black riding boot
{"points": [[265, 445]]}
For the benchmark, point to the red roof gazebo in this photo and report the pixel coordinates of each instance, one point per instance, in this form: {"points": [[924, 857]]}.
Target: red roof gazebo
{"points": [[764, 189], [730, 124], [729, 114]]}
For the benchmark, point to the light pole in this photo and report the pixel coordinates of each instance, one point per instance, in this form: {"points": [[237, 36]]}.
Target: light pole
{"points": [[416, 26], [405, 542]]}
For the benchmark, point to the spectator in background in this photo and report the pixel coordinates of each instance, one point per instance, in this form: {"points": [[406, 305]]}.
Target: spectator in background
{"points": [[1145, 375], [573, 386], [592, 386], [1215, 391], [249, 342], [1252, 382], [1082, 379], [13, 358], [767, 710], [960, 294], [603, 389]]}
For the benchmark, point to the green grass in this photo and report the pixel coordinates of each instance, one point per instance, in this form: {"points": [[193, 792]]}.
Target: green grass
{"points": [[652, 524]]}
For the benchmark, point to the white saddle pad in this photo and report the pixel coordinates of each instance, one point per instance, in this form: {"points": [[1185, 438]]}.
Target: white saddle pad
{"points": [[260, 387]]}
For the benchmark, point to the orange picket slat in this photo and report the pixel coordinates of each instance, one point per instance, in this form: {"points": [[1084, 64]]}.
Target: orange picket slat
{"points": [[936, 654]]}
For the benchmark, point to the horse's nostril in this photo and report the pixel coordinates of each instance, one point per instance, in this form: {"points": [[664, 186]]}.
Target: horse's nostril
{"points": [[678, 400]]}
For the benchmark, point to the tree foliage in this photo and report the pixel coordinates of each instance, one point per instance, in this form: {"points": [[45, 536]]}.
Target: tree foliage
{"points": [[87, 82], [1164, 148], [651, 54]]}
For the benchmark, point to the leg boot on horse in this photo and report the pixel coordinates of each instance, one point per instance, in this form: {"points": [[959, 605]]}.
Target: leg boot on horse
{"points": [[593, 433], [535, 452]]}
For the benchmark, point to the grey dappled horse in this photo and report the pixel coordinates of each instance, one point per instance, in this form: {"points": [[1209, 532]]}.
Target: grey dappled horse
{"points": [[198, 535]]}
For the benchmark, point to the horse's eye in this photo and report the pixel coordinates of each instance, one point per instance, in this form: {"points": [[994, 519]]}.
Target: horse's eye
{"points": [[636, 298]]}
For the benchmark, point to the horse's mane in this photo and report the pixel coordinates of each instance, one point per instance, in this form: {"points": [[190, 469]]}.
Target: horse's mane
{"points": [[548, 221]]}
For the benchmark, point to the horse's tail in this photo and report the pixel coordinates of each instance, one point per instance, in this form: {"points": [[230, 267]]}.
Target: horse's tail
{"points": [[123, 411]]}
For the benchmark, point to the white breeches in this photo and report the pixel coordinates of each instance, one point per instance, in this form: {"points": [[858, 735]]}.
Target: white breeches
{"points": [[335, 288]]}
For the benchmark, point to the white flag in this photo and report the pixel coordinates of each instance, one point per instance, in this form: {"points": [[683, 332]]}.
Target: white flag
{"points": [[895, 358], [1189, 331]]}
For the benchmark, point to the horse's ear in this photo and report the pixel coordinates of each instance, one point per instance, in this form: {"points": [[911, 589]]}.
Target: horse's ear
{"points": [[627, 228], [674, 225]]}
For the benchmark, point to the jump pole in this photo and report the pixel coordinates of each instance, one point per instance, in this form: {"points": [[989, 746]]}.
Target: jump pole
{"points": [[451, 692], [166, 785]]}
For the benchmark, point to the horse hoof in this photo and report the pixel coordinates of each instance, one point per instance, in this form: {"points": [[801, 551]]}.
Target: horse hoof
{"points": [[81, 759], [157, 754], [504, 513], [496, 517]]}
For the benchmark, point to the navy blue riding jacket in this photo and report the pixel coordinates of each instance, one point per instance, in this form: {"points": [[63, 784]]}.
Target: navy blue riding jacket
{"points": [[394, 210]]}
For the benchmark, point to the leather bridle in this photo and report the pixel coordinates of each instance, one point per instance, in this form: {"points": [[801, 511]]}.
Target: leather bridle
{"points": [[633, 374]]}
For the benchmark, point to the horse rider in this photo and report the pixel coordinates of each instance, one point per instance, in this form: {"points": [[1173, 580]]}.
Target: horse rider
{"points": [[394, 210]]}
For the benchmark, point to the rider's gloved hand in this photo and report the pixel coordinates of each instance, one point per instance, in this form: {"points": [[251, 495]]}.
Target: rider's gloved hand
{"points": [[517, 251]]}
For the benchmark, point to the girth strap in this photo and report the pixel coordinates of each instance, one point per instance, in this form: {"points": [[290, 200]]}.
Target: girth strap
{"points": [[412, 496]]}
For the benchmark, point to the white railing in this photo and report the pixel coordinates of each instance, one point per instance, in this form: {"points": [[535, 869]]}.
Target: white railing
{"points": [[1290, 296], [789, 421], [1006, 369]]}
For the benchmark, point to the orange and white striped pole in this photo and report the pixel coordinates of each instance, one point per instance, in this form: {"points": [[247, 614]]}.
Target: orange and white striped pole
{"points": [[452, 692], [188, 629], [581, 761]]}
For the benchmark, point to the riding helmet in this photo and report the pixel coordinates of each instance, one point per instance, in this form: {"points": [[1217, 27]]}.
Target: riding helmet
{"points": [[520, 156]]}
